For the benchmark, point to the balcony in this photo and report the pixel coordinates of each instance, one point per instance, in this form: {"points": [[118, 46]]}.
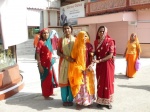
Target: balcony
{"points": [[112, 6]]}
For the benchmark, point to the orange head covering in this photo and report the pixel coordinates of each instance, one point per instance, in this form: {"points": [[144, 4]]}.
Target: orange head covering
{"points": [[75, 74]]}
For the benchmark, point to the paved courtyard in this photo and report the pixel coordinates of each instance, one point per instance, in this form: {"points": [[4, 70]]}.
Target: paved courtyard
{"points": [[131, 95]]}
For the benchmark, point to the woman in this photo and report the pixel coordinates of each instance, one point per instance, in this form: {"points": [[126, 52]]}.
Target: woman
{"points": [[64, 50], [132, 53], [81, 75], [45, 63], [105, 52]]}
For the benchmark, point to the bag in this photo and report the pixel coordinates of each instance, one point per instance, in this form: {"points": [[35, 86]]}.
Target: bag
{"points": [[137, 65]]}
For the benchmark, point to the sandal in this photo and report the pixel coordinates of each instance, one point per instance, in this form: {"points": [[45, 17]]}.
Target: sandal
{"points": [[78, 107], [65, 104], [99, 106], [70, 103], [48, 98], [109, 106]]}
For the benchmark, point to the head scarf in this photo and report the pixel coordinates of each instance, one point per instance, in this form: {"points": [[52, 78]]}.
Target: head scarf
{"points": [[41, 32], [75, 74], [137, 41], [48, 41], [105, 32]]}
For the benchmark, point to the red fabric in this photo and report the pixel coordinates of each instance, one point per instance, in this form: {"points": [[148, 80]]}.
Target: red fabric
{"points": [[45, 54], [47, 86], [45, 57], [105, 71], [54, 42], [89, 48]]}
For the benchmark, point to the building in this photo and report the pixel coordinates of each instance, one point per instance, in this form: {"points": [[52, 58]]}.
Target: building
{"points": [[121, 17], [13, 31]]}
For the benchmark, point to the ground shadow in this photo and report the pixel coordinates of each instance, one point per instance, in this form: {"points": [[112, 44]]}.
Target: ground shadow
{"points": [[145, 87], [36, 101], [121, 76]]}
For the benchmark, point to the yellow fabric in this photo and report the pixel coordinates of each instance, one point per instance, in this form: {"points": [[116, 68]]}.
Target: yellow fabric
{"points": [[75, 74], [132, 48], [67, 48], [131, 59]]}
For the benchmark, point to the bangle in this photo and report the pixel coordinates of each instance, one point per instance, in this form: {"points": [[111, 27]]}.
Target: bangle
{"points": [[66, 57], [100, 60]]}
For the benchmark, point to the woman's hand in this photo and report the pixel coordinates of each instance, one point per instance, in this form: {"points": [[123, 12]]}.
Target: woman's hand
{"points": [[41, 70], [68, 58], [96, 61], [83, 72], [90, 68]]}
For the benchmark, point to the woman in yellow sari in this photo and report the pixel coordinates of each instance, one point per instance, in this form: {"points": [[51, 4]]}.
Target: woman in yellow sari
{"points": [[81, 74], [132, 53]]}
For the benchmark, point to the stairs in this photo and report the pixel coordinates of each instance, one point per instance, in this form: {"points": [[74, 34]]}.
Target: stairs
{"points": [[26, 48]]}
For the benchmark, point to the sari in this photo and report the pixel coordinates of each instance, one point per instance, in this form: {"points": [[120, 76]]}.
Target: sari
{"points": [[82, 83], [105, 71], [48, 78], [66, 49], [131, 57]]}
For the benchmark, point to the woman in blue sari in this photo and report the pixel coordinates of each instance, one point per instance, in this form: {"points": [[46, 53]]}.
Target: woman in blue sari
{"points": [[45, 62]]}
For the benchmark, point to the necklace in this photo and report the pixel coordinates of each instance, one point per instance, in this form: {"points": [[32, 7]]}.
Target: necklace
{"points": [[100, 42]]}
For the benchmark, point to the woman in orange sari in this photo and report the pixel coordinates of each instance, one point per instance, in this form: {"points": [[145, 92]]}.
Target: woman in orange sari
{"points": [[81, 74], [132, 53], [105, 52]]}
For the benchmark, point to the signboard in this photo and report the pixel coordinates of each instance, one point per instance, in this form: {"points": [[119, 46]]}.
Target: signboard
{"points": [[70, 13]]}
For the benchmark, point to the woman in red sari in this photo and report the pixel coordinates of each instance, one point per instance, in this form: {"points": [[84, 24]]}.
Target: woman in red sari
{"points": [[105, 52], [45, 62]]}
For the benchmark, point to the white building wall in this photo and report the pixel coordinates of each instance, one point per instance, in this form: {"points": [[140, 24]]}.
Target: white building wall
{"points": [[33, 17], [53, 18]]}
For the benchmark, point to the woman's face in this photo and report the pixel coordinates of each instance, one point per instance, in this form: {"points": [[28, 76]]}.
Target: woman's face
{"points": [[45, 34], [133, 36], [67, 30], [101, 32], [85, 38]]}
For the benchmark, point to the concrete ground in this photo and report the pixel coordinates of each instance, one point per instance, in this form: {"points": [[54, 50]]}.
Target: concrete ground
{"points": [[131, 95]]}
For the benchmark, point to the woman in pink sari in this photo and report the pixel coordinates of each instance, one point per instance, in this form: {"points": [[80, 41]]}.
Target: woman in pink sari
{"points": [[105, 52]]}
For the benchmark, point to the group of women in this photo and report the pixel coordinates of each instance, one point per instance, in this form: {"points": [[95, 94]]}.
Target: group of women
{"points": [[76, 75]]}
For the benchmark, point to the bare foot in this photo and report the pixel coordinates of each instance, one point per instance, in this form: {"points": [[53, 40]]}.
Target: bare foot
{"points": [[48, 98], [78, 107]]}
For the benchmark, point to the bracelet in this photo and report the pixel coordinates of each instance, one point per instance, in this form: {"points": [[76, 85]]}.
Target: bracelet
{"points": [[100, 60], [66, 57]]}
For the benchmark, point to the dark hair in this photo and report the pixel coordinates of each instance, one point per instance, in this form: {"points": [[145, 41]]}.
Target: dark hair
{"points": [[67, 24], [100, 28]]}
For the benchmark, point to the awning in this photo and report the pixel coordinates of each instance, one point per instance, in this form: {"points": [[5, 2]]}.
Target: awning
{"points": [[37, 4], [115, 17]]}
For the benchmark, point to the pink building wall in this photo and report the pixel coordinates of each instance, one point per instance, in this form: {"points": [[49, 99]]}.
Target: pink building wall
{"points": [[121, 30], [117, 30]]}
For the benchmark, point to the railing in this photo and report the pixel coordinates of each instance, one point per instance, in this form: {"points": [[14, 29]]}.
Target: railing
{"points": [[110, 6]]}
